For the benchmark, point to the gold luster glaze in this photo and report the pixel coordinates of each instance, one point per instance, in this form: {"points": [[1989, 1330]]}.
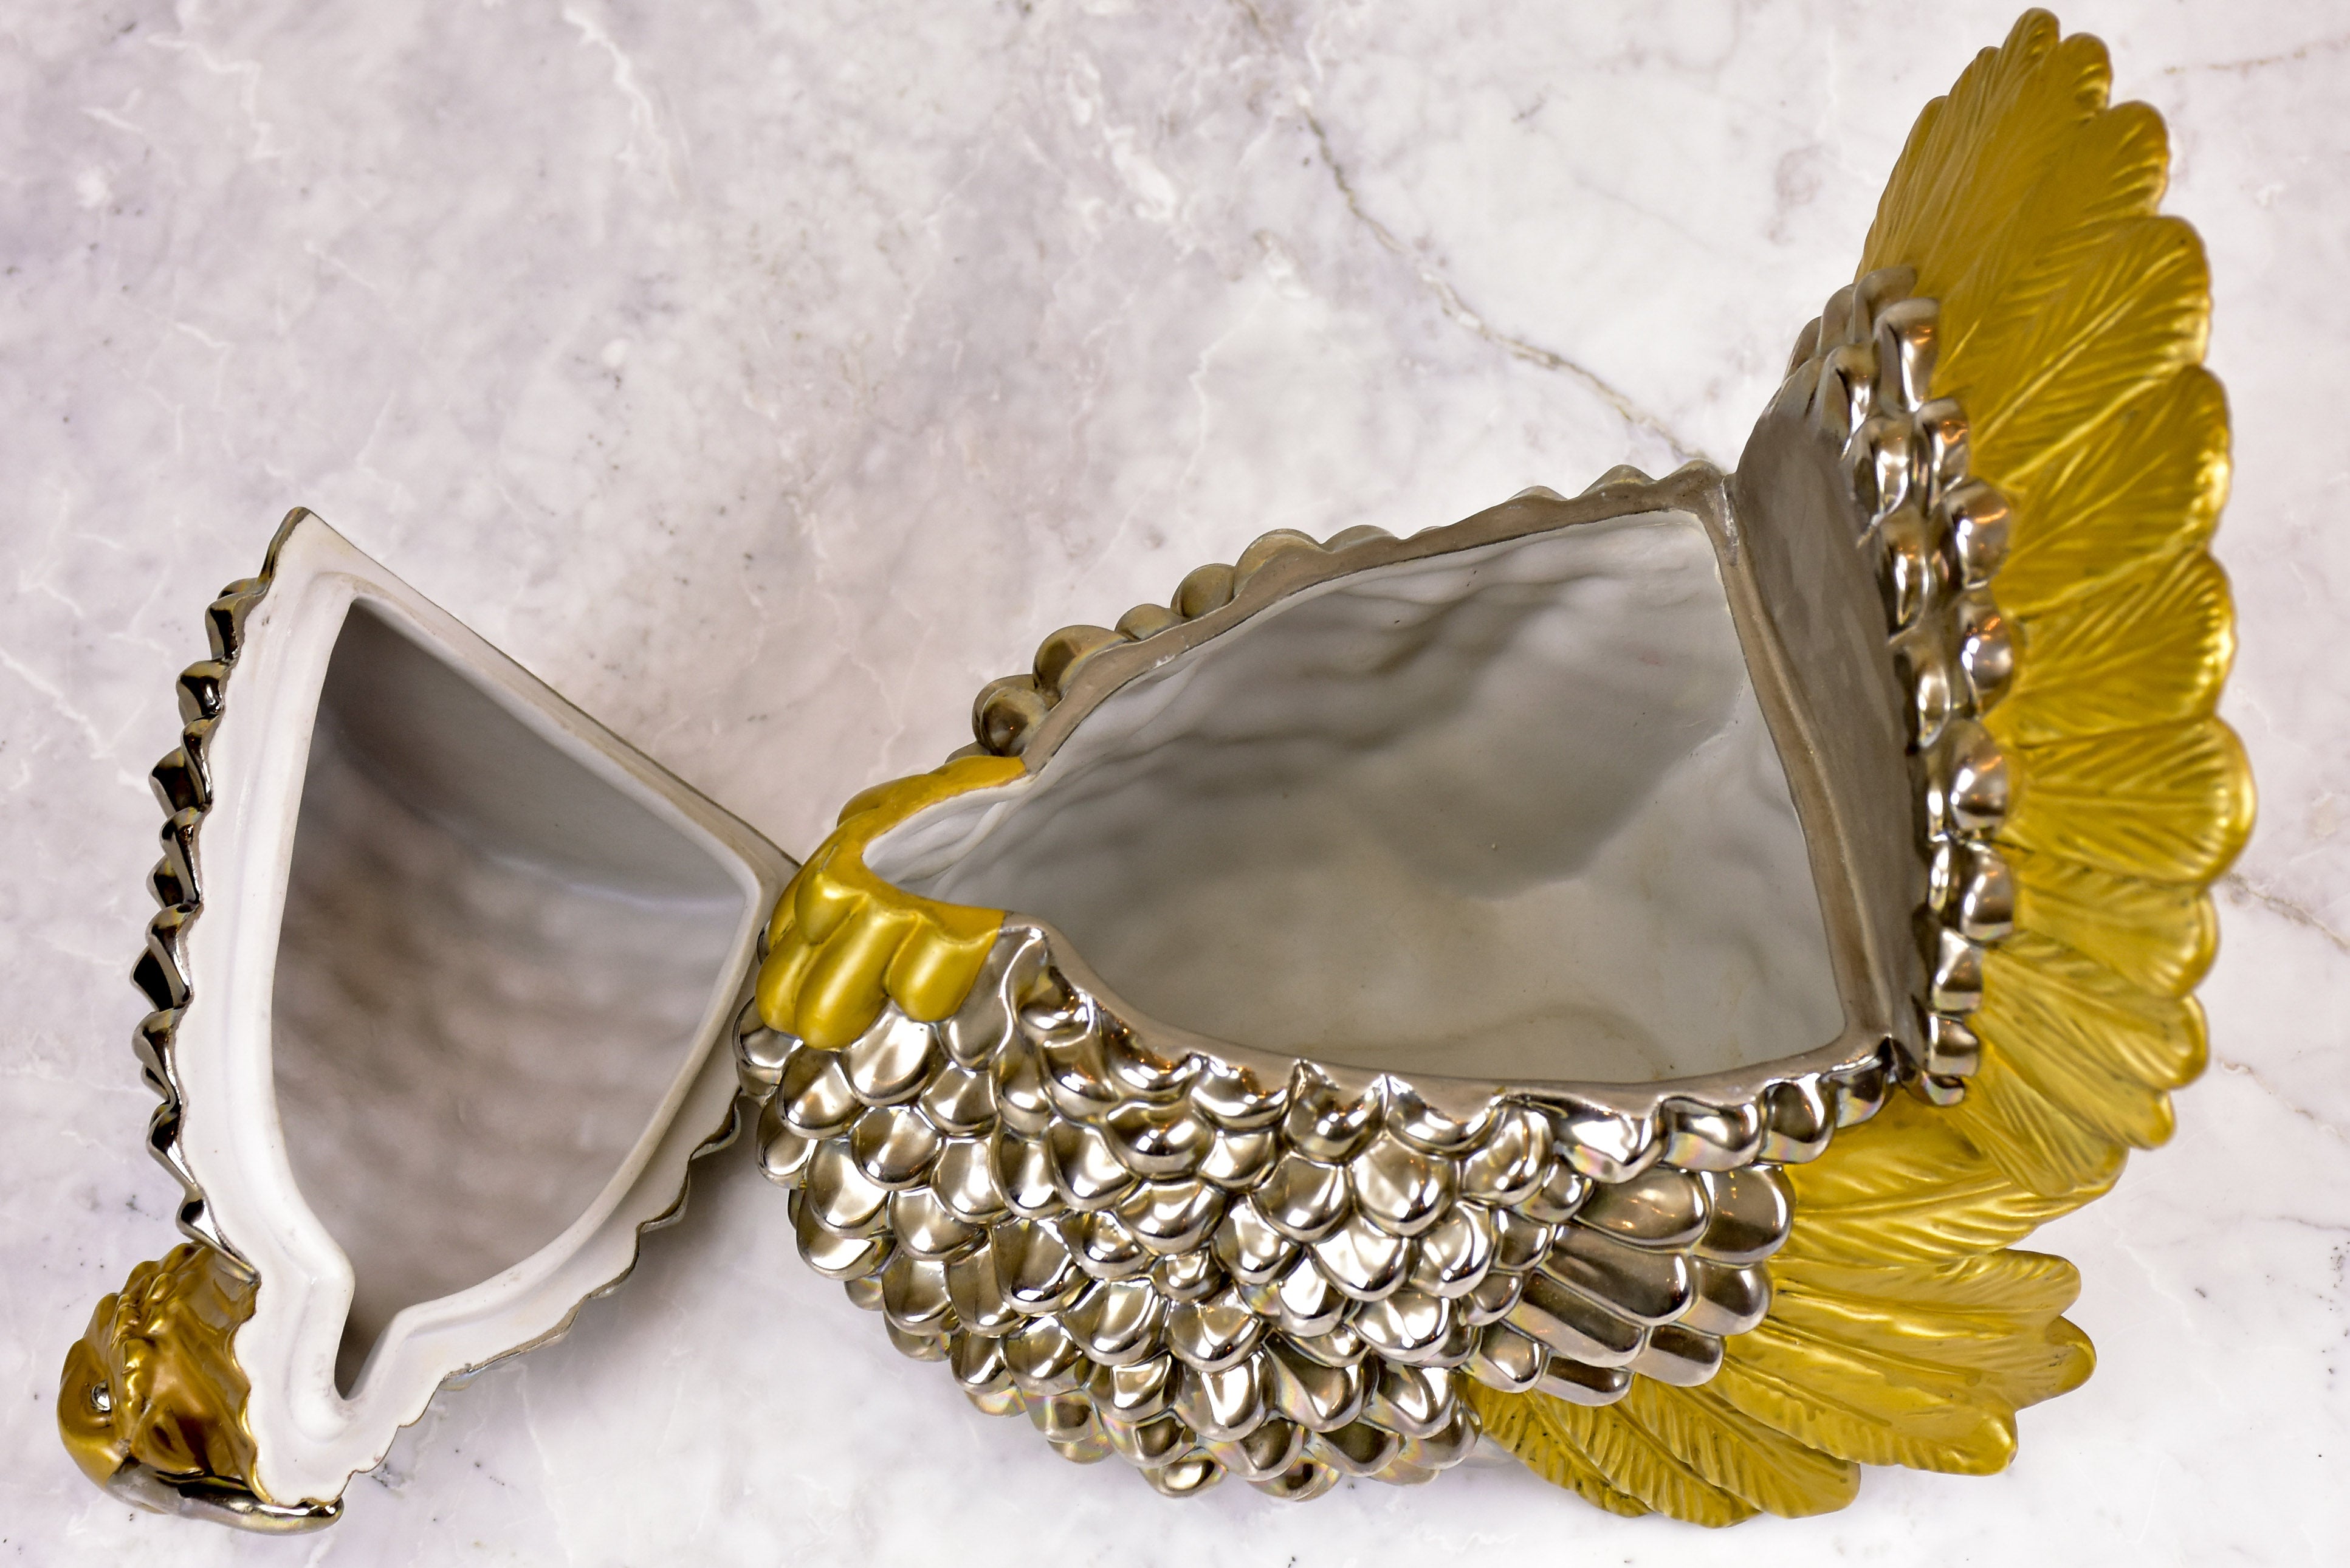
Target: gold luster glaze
{"points": [[152, 1400], [843, 943], [2076, 321], [1905, 1328]]}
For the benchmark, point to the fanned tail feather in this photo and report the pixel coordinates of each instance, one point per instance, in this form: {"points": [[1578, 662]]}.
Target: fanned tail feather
{"points": [[2158, 935], [2154, 648], [2172, 803], [1904, 1329]]}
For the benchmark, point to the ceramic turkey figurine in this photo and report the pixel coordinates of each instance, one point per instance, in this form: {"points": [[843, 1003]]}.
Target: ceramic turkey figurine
{"points": [[1616, 975]]}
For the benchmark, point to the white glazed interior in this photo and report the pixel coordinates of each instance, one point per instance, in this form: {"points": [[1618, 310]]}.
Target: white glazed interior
{"points": [[458, 997], [1511, 813], [491, 970]]}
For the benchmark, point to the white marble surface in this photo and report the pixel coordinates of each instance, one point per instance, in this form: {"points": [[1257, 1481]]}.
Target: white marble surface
{"points": [[765, 376]]}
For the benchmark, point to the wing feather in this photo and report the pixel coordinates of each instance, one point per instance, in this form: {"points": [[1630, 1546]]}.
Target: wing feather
{"points": [[1758, 1464], [1913, 1308], [2087, 1040], [1917, 1192], [1524, 1424], [2137, 313], [1985, 144], [1922, 1365], [1854, 1406], [2062, 996], [1634, 1461], [2113, 169], [2036, 1142], [2154, 484]]}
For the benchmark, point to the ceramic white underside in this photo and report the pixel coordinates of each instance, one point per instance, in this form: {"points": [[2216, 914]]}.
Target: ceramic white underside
{"points": [[466, 736], [1510, 813], [767, 379]]}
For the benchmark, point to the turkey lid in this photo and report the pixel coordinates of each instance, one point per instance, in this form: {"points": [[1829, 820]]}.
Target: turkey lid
{"points": [[440, 982]]}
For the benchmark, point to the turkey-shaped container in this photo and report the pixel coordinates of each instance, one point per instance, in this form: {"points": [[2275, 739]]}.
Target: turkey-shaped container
{"points": [[1613, 975]]}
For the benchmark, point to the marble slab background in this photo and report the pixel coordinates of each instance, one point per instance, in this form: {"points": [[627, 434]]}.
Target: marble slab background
{"points": [[766, 375]]}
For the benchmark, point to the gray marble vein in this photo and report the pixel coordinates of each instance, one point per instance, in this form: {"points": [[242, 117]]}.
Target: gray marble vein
{"points": [[765, 376]]}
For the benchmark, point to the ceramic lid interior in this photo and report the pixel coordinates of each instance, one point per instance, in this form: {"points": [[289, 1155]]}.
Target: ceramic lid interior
{"points": [[457, 964]]}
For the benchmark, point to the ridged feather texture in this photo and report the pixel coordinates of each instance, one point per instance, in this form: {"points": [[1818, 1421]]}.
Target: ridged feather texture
{"points": [[2076, 323], [1904, 1330], [1904, 1327], [2159, 935]]}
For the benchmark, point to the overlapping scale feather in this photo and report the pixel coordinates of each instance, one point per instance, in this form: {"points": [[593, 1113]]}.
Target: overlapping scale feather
{"points": [[1903, 1330]]}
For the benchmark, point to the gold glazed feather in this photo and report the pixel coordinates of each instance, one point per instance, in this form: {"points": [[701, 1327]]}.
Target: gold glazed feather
{"points": [[1905, 1328]]}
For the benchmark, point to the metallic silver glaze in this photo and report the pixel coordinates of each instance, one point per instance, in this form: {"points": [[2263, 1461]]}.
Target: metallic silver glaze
{"points": [[184, 787], [1077, 1246], [1860, 391]]}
